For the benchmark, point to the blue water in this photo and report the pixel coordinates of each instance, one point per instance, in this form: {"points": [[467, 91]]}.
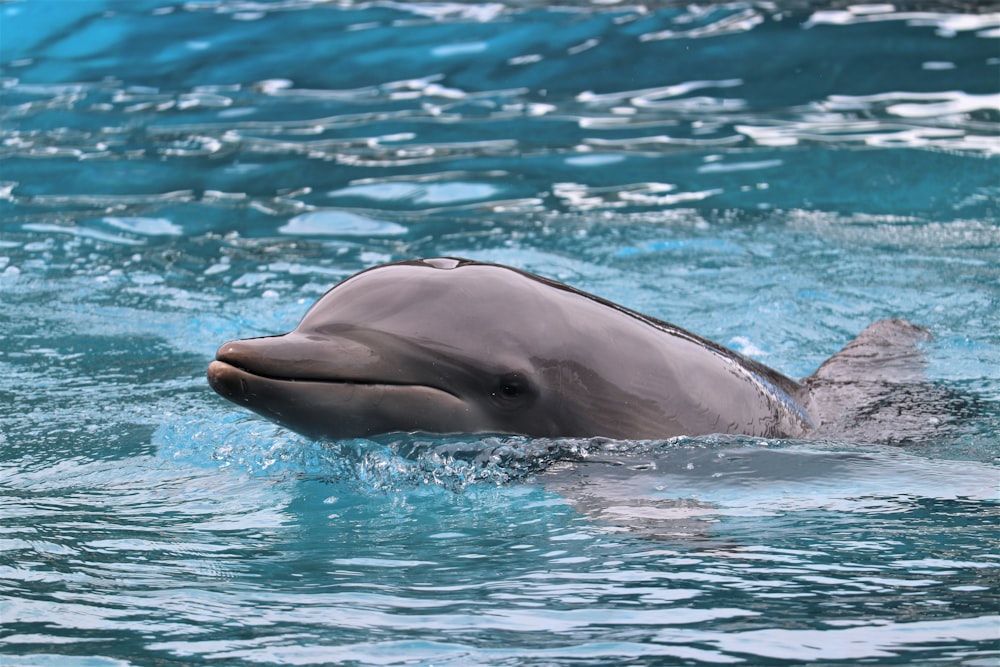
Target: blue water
{"points": [[175, 175]]}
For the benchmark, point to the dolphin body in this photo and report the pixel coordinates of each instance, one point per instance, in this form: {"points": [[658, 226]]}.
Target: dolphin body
{"points": [[451, 345]]}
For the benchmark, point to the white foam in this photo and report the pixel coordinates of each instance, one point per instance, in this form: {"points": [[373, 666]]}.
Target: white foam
{"points": [[938, 65], [465, 48], [595, 160], [75, 230], [421, 193], [379, 191], [339, 223], [145, 226], [746, 347], [724, 167], [445, 193], [952, 103]]}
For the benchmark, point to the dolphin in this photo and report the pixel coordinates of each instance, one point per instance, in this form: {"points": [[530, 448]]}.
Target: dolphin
{"points": [[450, 345]]}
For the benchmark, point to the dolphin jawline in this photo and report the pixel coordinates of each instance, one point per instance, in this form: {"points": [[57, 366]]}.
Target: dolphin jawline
{"points": [[220, 370]]}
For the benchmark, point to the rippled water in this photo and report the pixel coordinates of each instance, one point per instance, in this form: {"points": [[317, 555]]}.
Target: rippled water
{"points": [[772, 177]]}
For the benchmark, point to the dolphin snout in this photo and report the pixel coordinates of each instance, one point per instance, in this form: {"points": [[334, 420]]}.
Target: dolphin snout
{"points": [[239, 363], [246, 354], [279, 357], [227, 381], [295, 356]]}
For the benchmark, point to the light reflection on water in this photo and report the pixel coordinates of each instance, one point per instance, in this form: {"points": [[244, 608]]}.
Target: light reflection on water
{"points": [[178, 175]]}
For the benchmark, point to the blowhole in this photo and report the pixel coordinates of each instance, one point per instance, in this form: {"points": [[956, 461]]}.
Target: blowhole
{"points": [[443, 262]]}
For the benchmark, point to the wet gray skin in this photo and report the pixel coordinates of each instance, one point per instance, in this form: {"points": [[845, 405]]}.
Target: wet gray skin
{"points": [[456, 346]]}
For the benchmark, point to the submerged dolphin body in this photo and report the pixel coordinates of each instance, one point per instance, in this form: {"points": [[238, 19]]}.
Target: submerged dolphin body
{"points": [[457, 346]]}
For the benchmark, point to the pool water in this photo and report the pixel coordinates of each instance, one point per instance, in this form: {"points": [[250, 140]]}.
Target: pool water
{"points": [[771, 176]]}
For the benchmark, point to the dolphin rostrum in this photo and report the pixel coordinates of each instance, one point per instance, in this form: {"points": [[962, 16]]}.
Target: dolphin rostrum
{"points": [[457, 346]]}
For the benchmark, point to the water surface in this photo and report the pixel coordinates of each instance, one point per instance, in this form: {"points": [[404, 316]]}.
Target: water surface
{"points": [[175, 175]]}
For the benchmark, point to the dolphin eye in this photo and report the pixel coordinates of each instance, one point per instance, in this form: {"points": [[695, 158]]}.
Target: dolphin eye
{"points": [[511, 390]]}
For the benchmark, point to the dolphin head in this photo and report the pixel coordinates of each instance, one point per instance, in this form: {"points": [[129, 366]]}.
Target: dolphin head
{"points": [[442, 346]]}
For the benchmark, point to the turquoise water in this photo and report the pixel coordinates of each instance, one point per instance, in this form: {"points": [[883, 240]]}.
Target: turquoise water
{"points": [[175, 175]]}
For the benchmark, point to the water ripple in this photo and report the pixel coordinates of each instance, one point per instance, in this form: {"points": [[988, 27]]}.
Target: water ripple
{"points": [[180, 174]]}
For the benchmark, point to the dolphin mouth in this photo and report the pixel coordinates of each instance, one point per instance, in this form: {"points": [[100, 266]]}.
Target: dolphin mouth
{"points": [[335, 408], [224, 377]]}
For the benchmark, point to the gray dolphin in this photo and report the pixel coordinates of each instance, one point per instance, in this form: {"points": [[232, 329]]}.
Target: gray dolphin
{"points": [[456, 346]]}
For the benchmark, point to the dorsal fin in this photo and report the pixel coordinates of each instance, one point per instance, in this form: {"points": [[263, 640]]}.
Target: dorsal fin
{"points": [[887, 351], [874, 389]]}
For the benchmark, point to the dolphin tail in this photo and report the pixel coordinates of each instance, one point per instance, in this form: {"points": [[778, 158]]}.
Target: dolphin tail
{"points": [[874, 389]]}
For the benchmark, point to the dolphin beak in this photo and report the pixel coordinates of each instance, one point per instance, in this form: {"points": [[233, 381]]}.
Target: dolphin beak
{"points": [[295, 356], [239, 364], [284, 379], [226, 381]]}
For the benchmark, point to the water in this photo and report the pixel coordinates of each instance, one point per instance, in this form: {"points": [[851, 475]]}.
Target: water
{"points": [[178, 174]]}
